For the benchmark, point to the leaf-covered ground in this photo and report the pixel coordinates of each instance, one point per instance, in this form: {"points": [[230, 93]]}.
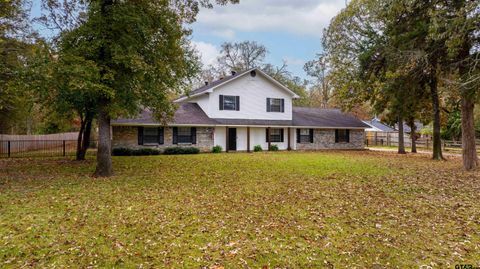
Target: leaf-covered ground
{"points": [[284, 209]]}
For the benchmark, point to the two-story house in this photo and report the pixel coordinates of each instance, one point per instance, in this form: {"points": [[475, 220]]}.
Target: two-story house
{"points": [[239, 112]]}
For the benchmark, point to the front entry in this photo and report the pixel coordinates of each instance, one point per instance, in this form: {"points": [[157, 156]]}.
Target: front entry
{"points": [[232, 138]]}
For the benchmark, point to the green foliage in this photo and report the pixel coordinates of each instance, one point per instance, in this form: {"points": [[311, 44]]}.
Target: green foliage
{"points": [[273, 147], [217, 149], [181, 150], [453, 128], [257, 148], [134, 152]]}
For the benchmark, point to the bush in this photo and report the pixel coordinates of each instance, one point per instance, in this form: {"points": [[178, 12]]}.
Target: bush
{"points": [[257, 148], [181, 150], [134, 152], [217, 149], [121, 152], [273, 148]]}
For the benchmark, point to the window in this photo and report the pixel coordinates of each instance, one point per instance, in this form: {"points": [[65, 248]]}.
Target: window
{"points": [[275, 105], [342, 136], [150, 135], [229, 102], [276, 135], [305, 136], [184, 135]]}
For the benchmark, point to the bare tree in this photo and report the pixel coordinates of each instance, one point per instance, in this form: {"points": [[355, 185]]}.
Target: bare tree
{"points": [[241, 56], [317, 69]]}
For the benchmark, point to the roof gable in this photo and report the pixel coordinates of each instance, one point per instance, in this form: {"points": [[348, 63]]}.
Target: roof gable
{"points": [[218, 83]]}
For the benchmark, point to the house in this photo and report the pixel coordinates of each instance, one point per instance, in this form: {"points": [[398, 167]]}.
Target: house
{"points": [[239, 112]]}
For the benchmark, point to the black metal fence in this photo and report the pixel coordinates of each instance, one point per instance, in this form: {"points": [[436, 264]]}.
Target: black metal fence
{"points": [[39, 148]]}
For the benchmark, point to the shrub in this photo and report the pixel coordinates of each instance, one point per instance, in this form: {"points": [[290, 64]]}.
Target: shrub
{"points": [[217, 149], [273, 148], [134, 152], [147, 151], [121, 152], [181, 150], [257, 148]]}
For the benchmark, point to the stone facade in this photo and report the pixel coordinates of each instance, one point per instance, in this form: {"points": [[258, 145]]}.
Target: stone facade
{"points": [[325, 139], [127, 136]]}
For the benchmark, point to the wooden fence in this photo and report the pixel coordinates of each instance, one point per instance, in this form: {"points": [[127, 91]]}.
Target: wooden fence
{"points": [[63, 144], [391, 140]]}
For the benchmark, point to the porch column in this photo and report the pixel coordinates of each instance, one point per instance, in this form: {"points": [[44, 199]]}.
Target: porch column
{"points": [[268, 137], [226, 139], [248, 138], [288, 135]]}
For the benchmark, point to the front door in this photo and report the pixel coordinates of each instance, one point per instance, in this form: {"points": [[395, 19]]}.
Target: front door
{"points": [[232, 138]]}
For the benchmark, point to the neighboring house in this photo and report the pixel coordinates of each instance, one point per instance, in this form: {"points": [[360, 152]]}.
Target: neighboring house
{"points": [[239, 112], [375, 125]]}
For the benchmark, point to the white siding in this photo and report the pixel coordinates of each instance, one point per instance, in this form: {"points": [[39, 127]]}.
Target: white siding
{"points": [[253, 92], [257, 137], [219, 137]]}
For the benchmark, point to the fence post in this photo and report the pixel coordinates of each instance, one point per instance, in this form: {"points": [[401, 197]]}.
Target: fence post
{"points": [[63, 147], [8, 148], [427, 142]]}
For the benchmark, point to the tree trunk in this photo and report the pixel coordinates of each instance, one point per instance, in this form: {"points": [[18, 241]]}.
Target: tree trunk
{"points": [[469, 151], [413, 135], [437, 142], [104, 157], [80, 140], [401, 142], [86, 138]]}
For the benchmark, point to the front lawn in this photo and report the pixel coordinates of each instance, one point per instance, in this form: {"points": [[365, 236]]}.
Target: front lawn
{"points": [[284, 209]]}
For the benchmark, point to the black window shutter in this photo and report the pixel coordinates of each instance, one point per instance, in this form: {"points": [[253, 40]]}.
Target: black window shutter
{"points": [[266, 135], [348, 136], [237, 100], [160, 135], [298, 135], [283, 105], [336, 135], [175, 135], [268, 104], [140, 135], [311, 135], [281, 135], [193, 131], [220, 102]]}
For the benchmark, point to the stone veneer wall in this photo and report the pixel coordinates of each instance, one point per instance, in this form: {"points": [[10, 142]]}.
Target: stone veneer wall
{"points": [[127, 136], [325, 139]]}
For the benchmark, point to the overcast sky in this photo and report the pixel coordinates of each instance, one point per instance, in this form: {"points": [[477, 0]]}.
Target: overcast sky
{"points": [[290, 29]]}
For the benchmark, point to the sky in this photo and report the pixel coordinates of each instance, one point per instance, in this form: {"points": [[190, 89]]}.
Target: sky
{"points": [[291, 30]]}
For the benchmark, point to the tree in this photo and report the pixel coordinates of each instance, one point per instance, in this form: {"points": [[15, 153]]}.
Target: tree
{"points": [[241, 56], [140, 53], [457, 24], [318, 70]]}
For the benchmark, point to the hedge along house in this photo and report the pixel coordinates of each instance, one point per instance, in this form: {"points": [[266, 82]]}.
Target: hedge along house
{"points": [[239, 112]]}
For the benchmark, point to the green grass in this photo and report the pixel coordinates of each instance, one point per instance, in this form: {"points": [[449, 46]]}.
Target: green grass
{"points": [[287, 210]]}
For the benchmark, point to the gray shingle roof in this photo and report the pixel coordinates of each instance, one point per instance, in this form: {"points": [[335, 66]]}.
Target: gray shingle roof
{"points": [[380, 125], [328, 118], [213, 84], [187, 113], [192, 114]]}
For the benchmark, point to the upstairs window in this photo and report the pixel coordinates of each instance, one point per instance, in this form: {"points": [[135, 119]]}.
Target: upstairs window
{"points": [[304, 135], [342, 136], [229, 102], [275, 105], [276, 135]]}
